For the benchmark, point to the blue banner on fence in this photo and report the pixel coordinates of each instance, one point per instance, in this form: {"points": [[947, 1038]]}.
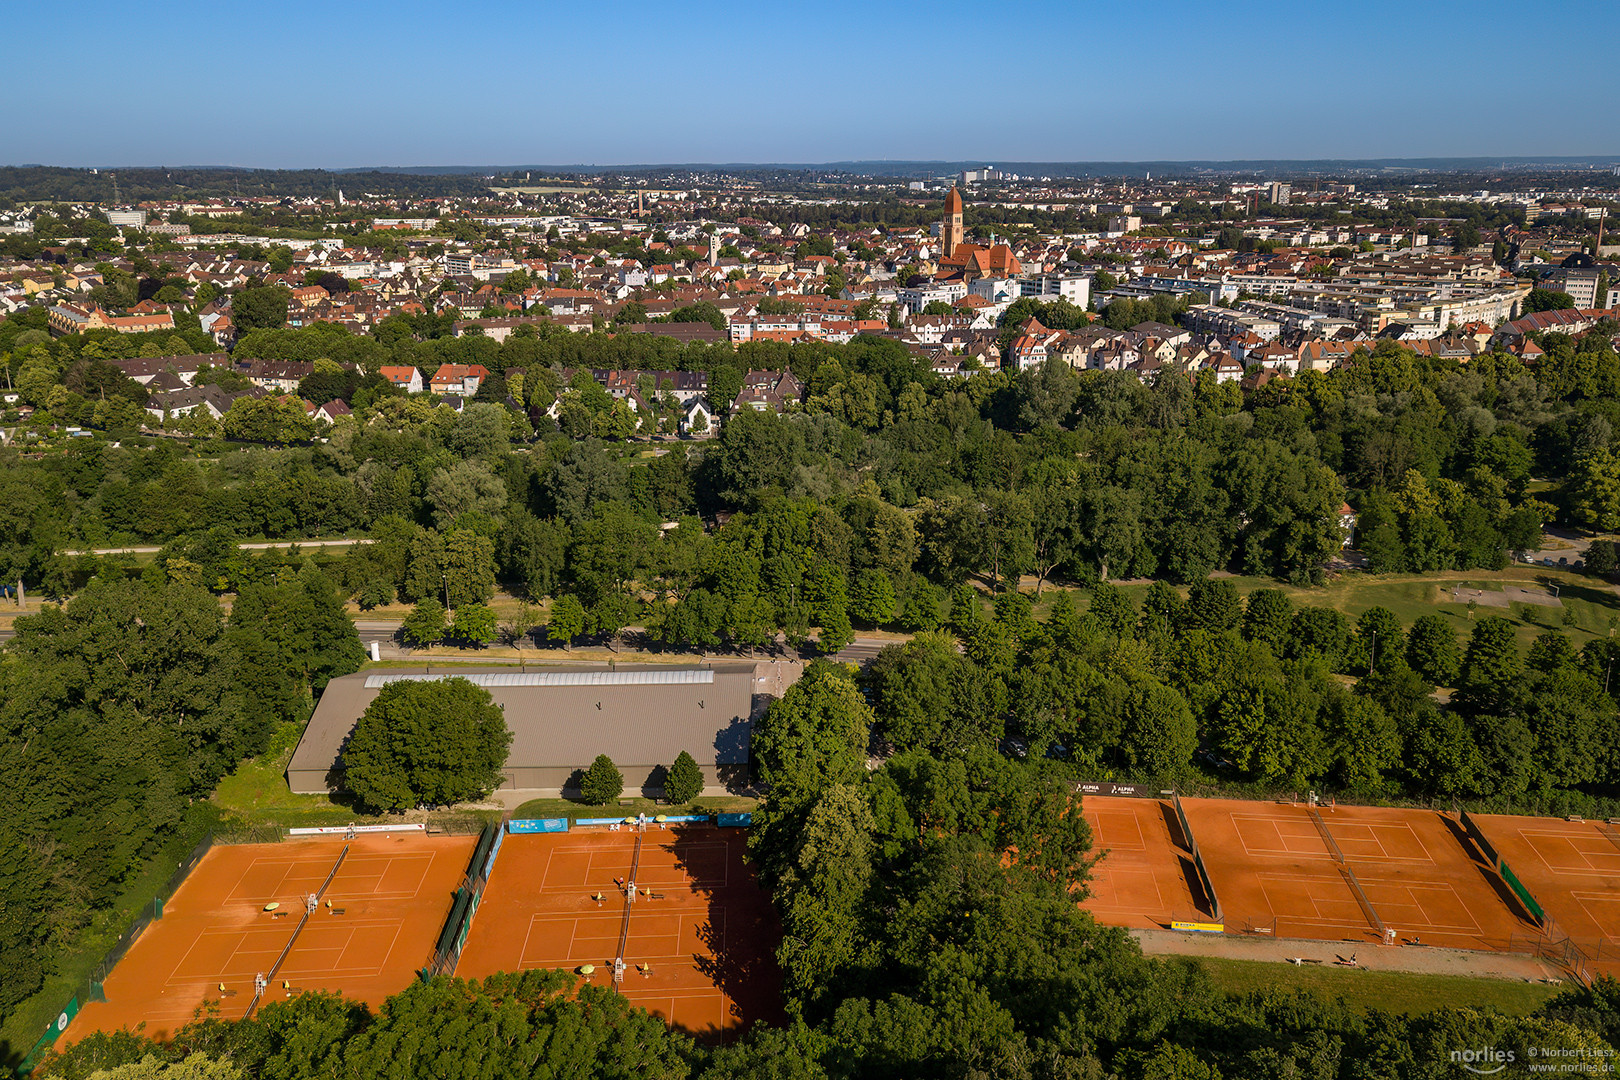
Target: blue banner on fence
{"points": [[676, 819], [602, 820], [734, 820], [494, 849], [551, 824]]}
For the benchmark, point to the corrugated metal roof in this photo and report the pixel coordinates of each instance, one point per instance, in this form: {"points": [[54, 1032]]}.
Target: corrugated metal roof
{"points": [[679, 676]]}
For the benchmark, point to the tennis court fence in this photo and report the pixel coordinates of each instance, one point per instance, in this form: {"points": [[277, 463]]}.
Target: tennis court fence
{"points": [[1198, 857], [464, 905], [93, 987]]}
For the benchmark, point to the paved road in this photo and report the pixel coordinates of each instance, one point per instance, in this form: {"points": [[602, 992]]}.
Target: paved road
{"points": [[264, 545], [861, 651], [1557, 543]]}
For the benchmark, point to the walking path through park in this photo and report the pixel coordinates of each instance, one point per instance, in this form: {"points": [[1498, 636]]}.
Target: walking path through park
{"points": [[263, 545], [1422, 959]]}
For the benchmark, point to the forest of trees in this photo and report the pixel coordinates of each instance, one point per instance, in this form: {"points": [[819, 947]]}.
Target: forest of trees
{"points": [[123, 708], [1078, 474], [43, 183]]}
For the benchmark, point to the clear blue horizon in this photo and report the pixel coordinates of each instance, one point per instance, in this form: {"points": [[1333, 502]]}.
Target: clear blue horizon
{"points": [[301, 85]]}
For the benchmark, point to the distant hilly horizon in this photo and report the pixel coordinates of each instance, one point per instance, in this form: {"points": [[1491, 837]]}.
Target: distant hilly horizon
{"points": [[1068, 168], [929, 168]]}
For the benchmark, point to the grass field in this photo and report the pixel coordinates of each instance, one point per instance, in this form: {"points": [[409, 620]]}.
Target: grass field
{"points": [[1392, 991], [1590, 601], [256, 793]]}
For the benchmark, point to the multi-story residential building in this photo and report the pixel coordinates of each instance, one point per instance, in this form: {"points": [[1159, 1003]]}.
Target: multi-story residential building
{"points": [[280, 375], [408, 379], [73, 319], [1075, 288], [461, 379], [1229, 323], [919, 297], [1581, 283]]}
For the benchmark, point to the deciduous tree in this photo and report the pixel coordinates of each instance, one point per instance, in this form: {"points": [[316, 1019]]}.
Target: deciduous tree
{"points": [[437, 742]]}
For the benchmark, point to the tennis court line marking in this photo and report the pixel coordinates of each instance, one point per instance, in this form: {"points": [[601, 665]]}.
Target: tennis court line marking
{"points": [[338, 884], [1426, 859], [1606, 898], [1335, 884], [1285, 852], [1375, 835], [1135, 820], [1411, 890], [290, 970], [694, 884], [1568, 837]]}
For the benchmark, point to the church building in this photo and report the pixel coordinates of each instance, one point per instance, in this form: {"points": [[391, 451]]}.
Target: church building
{"points": [[969, 262]]}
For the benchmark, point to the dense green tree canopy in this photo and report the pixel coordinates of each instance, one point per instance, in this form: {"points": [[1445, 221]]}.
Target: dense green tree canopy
{"points": [[436, 742]]}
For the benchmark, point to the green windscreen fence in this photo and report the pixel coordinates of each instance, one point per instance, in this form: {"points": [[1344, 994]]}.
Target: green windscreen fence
{"points": [[59, 1025], [1522, 893]]}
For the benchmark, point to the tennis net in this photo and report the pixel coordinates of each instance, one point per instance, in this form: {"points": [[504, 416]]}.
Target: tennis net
{"points": [[629, 902], [309, 909]]}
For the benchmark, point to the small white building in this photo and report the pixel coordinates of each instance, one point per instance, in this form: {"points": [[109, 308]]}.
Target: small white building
{"points": [[697, 418]]}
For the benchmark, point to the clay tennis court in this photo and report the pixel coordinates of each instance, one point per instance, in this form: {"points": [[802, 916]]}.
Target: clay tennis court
{"points": [[698, 951], [389, 900], [1143, 876], [1274, 872], [1572, 868]]}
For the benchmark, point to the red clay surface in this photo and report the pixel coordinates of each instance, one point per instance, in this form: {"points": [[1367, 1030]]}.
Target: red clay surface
{"points": [[1274, 873], [705, 938], [394, 892], [1572, 868], [1142, 878]]}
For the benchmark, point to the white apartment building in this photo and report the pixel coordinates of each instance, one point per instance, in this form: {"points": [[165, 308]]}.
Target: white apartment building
{"points": [[947, 292], [1075, 288]]}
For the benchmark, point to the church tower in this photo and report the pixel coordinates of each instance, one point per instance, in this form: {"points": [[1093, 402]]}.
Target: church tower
{"points": [[951, 233]]}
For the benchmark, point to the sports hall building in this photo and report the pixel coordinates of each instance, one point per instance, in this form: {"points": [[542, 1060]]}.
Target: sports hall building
{"points": [[642, 718]]}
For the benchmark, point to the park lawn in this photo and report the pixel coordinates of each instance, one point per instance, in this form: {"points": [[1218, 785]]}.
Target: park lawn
{"points": [[256, 793], [1591, 601], [629, 807], [1392, 991]]}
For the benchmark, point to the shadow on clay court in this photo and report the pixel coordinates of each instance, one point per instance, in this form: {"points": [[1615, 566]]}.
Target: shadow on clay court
{"points": [[1189, 873], [742, 960], [1509, 899], [1195, 889], [1183, 841]]}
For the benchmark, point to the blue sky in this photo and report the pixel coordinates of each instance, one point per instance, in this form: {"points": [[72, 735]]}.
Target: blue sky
{"points": [[344, 83]]}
